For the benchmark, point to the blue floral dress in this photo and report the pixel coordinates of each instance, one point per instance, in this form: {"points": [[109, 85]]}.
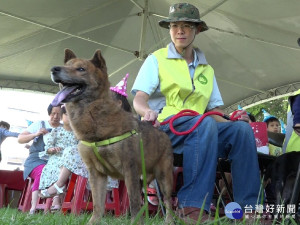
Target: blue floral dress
{"points": [[59, 137]]}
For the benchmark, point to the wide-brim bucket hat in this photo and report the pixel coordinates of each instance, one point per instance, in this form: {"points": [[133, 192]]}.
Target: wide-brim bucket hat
{"points": [[183, 12]]}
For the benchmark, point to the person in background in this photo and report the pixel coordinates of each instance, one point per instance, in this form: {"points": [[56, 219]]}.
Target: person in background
{"points": [[4, 133], [273, 125], [119, 94], [59, 144], [292, 139], [33, 165], [178, 77], [252, 118]]}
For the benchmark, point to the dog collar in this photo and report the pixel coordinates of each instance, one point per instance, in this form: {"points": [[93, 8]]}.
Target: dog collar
{"points": [[109, 141]]}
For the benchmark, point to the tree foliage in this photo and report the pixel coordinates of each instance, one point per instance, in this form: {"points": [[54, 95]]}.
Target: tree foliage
{"points": [[277, 108]]}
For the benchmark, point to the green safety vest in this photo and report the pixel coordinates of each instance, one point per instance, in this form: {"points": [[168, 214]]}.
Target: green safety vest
{"points": [[182, 92], [294, 141]]}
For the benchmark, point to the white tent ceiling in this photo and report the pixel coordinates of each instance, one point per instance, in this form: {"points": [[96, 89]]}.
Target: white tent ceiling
{"points": [[252, 44]]}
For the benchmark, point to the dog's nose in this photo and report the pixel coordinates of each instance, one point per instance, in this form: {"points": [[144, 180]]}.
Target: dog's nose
{"points": [[55, 69]]}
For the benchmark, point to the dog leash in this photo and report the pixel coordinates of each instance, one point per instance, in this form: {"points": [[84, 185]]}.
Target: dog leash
{"points": [[188, 112], [95, 145]]}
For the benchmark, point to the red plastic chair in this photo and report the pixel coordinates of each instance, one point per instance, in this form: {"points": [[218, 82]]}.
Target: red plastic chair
{"points": [[3, 195], [74, 200], [119, 203], [10, 180], [44, 204], [76, 193], [25, 199], [67, 204]]}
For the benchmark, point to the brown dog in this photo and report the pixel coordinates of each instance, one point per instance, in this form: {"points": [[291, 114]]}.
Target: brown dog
{"points": [[94, 117]]}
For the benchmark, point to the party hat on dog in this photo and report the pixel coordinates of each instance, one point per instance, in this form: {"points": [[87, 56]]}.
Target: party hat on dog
{"points": [[121, 87]]}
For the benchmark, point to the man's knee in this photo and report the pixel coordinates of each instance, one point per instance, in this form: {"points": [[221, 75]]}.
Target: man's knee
{"points": [[242, 127], [244, 133], [208, 123]]}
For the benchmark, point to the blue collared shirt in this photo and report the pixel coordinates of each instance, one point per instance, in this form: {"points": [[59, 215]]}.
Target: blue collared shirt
{"points": [[147, 79], [4, 133]]}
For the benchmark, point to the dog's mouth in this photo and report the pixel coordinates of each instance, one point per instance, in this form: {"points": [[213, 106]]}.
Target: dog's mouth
{"points": [[67, 93]]}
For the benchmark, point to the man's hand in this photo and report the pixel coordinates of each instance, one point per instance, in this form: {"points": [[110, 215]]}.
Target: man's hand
{"points": [[242, 116], [151, 116], [140, 103]]}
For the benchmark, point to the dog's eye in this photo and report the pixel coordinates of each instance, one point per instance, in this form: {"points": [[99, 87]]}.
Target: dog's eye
{"points": [[80, 69]]}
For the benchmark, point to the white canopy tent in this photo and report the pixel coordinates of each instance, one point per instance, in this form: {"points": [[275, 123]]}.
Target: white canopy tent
{"points": [[251, 44]]}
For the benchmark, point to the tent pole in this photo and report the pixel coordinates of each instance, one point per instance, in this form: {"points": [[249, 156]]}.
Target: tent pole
{"points": [[143, 31]]}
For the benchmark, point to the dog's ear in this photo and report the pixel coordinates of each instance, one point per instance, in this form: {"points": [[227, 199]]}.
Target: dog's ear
{"points": [[69, 55], [99, 61]]}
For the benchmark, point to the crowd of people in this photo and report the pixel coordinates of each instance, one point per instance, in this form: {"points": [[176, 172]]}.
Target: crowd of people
{"points": [[172, 79]]}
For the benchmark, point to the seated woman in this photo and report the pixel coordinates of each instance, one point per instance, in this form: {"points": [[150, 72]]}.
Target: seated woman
{"points": [[60, 147], [34, 164]]}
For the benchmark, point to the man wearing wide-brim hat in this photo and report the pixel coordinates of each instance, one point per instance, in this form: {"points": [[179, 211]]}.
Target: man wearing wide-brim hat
{"points": [[183, 12], [178, 77]]}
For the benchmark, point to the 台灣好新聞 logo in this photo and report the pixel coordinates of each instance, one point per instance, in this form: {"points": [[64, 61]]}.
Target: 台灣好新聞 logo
{"points": [[233, 210]]}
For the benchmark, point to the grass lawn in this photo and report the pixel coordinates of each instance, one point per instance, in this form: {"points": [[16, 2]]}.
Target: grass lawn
{"points": [[11, 216]]}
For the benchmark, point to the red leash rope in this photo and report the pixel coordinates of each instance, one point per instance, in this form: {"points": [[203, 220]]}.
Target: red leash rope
{"points": [[188, 112]]}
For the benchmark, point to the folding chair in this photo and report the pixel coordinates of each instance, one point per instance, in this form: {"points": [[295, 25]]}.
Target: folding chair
{"points": [[78, 198], [3, 194], [10, 181], [75, 199], [25, 199]]}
